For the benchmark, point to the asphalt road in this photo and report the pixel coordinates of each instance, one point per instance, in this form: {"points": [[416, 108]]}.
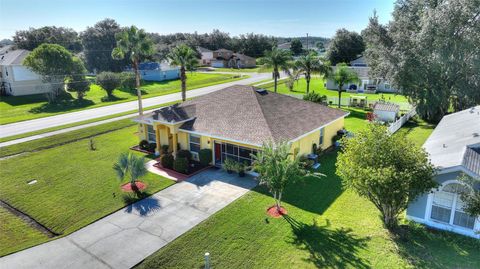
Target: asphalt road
{"points": [[88, 114]]}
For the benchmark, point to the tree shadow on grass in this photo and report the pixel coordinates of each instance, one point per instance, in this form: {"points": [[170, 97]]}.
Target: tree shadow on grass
{"points": [[336, 248], [23, 100], [424, 247], [141, 203], [132, 92], [62, 106], [316, 194], [112, 98]]}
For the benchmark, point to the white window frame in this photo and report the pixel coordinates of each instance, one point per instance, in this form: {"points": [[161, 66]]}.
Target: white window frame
{"points": [[190, 142], [148, 133], [450, 226], [321, 139]]}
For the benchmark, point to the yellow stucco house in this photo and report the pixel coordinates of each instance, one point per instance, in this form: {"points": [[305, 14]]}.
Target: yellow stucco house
{"points": [[234, 122]]}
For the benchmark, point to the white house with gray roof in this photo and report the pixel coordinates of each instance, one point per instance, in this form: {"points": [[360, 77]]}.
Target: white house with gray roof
{"points": [[15, 78], [367, 83], [454, 149]]}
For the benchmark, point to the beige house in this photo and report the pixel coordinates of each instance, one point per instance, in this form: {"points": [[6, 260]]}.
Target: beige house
{"points": [[234, 123], [15, 78]]}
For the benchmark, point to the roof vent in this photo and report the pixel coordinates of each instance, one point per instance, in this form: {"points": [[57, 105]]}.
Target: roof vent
{"points": [[261, 91]]}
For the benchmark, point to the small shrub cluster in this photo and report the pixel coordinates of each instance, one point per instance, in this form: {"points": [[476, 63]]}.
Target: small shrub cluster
{"points": [[144, 145], [183, 153], [180, 165], [233, 166], [127, 80], [315, 97], [109, 81], [167, 160], [205, 156]]}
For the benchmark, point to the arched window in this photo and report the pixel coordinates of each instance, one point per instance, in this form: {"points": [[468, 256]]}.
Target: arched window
{"points": [[447, 206]]}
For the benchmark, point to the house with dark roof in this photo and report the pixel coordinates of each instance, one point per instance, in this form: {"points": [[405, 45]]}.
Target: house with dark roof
{"points": [[223, 58], [15, 78], [367, 82], [234, 122], [454, 149]]}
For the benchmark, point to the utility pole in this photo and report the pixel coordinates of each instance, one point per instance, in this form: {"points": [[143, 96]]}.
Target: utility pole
{"points": [[307, 41]]}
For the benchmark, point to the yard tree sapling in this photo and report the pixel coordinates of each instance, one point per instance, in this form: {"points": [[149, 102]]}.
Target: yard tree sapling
{"points": [[78, 82], [388, 170]]}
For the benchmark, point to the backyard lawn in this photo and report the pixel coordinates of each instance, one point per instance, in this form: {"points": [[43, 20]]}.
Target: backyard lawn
{"points": [[20, 108], [317, 85], [326, 226], [75, 185]]}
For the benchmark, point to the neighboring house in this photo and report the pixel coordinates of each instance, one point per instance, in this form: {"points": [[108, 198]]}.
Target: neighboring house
{"points": [[153, 71], [224, 58], [454, 148], [236, 121], [16, 79], [386, 112], [367, 84], [206, 56], [284, 46]]}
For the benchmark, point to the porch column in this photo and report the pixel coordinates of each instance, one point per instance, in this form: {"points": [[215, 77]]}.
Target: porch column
{"points": [[175, 144], [157, 138]]}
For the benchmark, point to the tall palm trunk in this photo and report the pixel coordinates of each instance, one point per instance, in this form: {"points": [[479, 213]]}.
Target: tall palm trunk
{"points": [[307, 78], [183, 78], [339, 94], [137, 86], [275, 77]]}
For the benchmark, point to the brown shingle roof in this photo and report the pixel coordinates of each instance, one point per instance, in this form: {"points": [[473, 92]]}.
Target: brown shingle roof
{"points": [[246, 114]]}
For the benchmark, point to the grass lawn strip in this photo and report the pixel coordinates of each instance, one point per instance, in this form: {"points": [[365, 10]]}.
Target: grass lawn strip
{"points": [[17, 234], [21, 108], [75, 185], [326, 226], [56, 128]]}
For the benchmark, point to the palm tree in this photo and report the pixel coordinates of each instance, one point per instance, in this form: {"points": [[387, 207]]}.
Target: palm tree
{"points": [[341, 76], [130, 165], [278, 168], [277, 59], [137, 46], [310, 64], [185, 57]]}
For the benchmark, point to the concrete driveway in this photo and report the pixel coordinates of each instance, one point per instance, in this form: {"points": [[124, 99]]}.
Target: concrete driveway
{"points": [[126, 237]]}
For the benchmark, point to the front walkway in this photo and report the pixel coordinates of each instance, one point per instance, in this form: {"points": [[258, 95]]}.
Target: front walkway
{"points": [[126, 237]]}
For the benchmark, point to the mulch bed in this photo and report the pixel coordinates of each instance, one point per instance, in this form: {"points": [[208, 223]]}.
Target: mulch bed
{"points": [[137, 148], [140, 186], [274, 213]]}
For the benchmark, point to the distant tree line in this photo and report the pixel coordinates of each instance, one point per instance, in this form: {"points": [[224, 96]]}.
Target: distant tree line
{"points": [[95, 44]]}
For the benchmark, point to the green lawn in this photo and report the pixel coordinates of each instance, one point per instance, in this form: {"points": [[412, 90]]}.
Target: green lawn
{"points": [[16, 234], [317, 85], [76, 186], [326, 227], [20, 108]]}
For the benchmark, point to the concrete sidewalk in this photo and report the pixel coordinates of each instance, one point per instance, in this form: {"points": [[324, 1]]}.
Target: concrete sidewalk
{"points": [[126, 237], [93, 113]]}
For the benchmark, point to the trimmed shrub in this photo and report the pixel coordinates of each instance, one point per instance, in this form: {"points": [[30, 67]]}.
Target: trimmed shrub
{"points": [[144, 145], [152, 147], [315, 97], [205, 156], [166, 160], [127, 80], [184, 153], [109, 81], [165, 149], [181, 165]]}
